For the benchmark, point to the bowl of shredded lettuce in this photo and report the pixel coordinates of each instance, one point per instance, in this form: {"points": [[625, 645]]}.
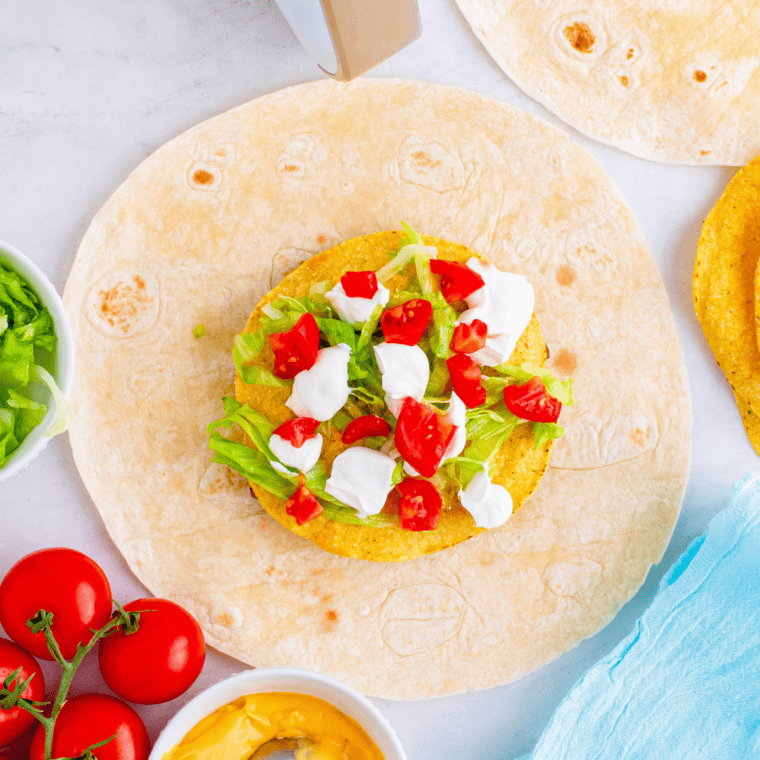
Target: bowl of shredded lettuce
{"points": [[36, 361]]}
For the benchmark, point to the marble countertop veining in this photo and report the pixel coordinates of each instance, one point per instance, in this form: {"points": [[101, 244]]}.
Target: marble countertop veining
{"points": [[89, 89]]}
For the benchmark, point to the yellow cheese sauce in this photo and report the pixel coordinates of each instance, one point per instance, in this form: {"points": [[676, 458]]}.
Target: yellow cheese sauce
{"points": [[235, 731]]}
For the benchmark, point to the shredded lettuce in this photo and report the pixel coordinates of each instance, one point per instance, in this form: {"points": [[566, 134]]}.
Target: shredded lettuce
{"points": [[25, 327], [443, 324]]}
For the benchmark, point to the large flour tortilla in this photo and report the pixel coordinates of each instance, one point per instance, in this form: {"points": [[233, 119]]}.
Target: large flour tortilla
{"points": [[670, 80], [200, 231]]}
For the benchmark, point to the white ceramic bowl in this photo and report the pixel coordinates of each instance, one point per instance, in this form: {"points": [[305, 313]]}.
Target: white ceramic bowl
{"points": [[60, 366], [265, 680]]}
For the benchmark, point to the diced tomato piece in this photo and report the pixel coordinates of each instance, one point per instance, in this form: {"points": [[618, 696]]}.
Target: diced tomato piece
{"points": [[359, 284], [420, 505], [465, 377], [406, 323], [303, 505], [457, 280], [469, 338], [422, 436], [296, 349], [531, 401], [298, 430], [362, 427]]}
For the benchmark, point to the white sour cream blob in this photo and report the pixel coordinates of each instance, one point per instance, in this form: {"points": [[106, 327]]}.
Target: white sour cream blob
{"points": [[321, 391], [361, 478], [489, 504], [355, 309], [456, 415], [505, 303], [303, 458], [406, 372]]}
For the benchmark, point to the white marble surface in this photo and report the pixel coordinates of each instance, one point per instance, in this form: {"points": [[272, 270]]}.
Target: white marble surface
{"points": [[89, 88]]}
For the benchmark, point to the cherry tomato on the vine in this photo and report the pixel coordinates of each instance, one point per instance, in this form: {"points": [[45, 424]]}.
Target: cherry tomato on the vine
{"points": [[15, 721], [90, 718], [159, 661], [62, 581]]}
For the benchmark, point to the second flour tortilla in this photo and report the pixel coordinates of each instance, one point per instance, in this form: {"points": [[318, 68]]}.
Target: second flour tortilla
{"points": [[676, 81], [205, 226]]}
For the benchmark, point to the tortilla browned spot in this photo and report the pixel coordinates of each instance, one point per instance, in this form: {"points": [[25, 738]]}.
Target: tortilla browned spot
{"points": [[203, 177], [580, 37]]}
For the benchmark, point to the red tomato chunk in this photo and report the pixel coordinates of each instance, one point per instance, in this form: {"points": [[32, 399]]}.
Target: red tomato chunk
{"points": [[298, 430], [363, 427], [422, 436], [296, 349], [531, 401], [420, 505], [359, 284], [457, 280], [406, 323], [303, 505], [465, 377], [469, 338]]}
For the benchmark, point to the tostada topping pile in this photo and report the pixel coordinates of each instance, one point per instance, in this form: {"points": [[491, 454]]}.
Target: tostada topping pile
{"points": [[405, 372]]}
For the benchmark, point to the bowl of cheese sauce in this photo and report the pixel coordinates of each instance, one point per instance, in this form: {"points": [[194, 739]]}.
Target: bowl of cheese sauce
{"points": [[258, 711]]}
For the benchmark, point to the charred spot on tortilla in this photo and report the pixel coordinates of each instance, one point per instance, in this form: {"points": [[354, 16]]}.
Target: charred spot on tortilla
{"points": [[580, 36], [565, 275], [123, 303], [699, 76]]}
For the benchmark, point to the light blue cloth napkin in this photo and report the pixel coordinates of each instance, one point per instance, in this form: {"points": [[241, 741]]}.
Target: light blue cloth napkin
{"points": [[685, 685]]}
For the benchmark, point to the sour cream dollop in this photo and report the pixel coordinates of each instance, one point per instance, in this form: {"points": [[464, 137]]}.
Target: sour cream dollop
{"points": [[321, 391], [406, 372], [489, 503], [361, 478], [505, 303], [302, 458], [355, 309]]}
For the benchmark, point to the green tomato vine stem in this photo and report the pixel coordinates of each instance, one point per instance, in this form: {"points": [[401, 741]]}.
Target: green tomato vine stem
{"points": [[43, 621]]}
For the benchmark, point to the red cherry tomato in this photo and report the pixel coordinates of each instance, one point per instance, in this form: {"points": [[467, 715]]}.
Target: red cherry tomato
{"points": [[469, 338], [457, 280], [90, 718], [15, 721], [420, 505], [298, 430], [303, 505], [531, 401], [359, 284], [422, 436], [465, 377], [160, 661], [64, 582], [296, 349], [362, 427], [406, 323]]}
